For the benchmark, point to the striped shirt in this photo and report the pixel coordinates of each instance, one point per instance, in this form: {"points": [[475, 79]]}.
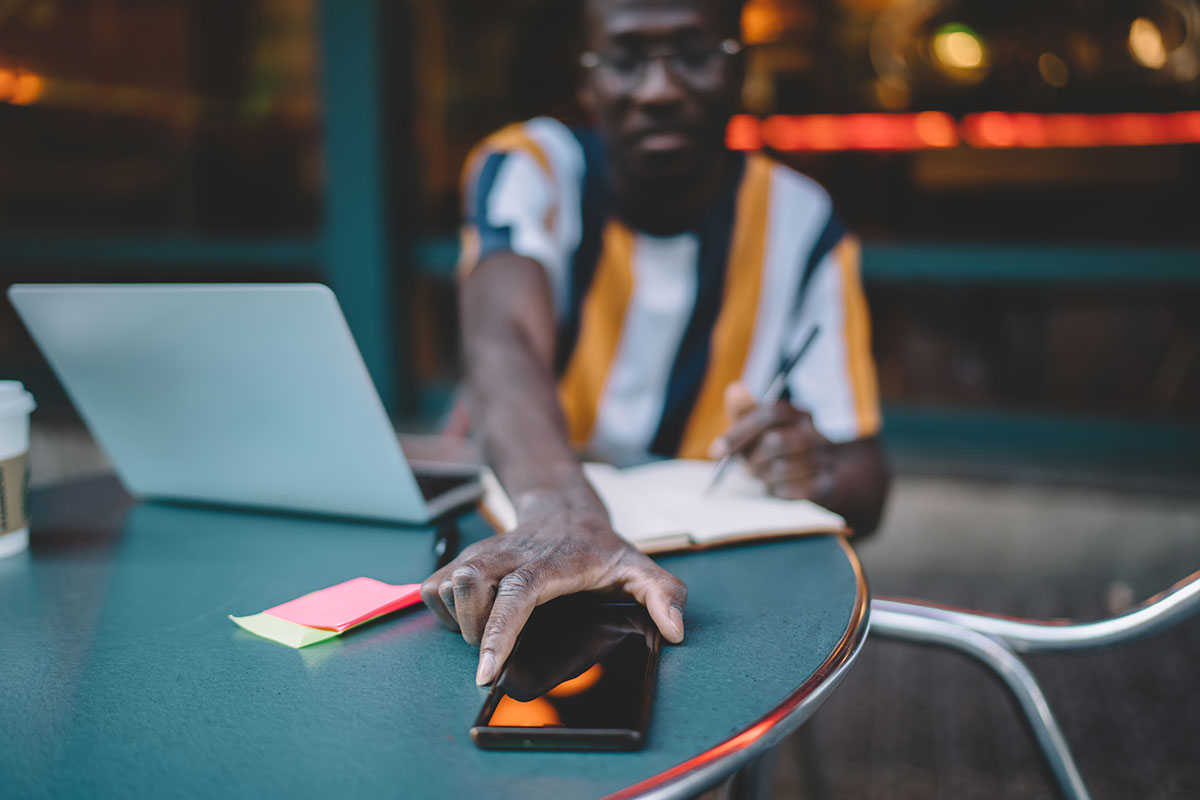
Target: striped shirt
{"points": [[651, 329]]}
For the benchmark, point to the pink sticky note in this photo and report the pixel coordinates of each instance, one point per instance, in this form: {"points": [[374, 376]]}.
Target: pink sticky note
{"points": [[347, 604]]}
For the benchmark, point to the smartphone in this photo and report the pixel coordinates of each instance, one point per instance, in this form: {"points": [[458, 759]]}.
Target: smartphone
{"points": [[581, 677]]}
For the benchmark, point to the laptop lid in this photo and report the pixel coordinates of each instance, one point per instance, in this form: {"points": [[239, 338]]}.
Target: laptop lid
{"points": [[241, 394]]}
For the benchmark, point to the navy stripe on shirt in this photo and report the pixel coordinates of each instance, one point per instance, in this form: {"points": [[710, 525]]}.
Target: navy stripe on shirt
{"points": [[691, 361], [592, 217], [492, 238], [831, 234]]}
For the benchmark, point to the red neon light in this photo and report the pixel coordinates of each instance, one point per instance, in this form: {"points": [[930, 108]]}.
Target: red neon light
{"points": [[999, 129], [936, 129], [1186, 126], [743, 133], [845, 132], [1071, 130]]}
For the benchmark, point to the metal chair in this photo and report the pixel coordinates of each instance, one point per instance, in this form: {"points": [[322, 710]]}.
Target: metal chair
{"points": [[996, 640]]}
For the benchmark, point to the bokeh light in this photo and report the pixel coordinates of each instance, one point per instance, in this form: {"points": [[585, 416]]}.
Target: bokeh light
{"points": [[29, 89], [956, 46], [1053, 70], [1146, 43], [20, 88], [935, 129], [762, 22]]}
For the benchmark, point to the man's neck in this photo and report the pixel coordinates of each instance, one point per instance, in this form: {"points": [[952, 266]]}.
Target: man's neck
{"points": [[667, 208]]}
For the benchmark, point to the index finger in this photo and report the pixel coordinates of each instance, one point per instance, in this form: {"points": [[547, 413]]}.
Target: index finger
{"points": [[747, 428], [433, 599], [516, 597]]}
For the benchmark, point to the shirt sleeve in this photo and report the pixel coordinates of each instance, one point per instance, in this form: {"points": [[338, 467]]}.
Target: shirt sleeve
{"points": [[836, 380], [510, 204]]}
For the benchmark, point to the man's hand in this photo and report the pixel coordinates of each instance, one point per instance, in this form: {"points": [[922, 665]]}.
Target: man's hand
{"points": [[490, 590], [779, 445]]}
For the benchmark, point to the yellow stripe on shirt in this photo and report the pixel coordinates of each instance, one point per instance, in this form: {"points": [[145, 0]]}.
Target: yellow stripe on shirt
{"points": [[468, 250], [514, 137], [734, 328], [860, 365], [602, 318]]}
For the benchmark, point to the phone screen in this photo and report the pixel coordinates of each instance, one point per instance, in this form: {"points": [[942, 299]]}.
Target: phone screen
{"points": [[580, 676]]}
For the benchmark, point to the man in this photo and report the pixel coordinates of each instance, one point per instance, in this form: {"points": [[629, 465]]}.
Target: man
{"points": [[626, 293]]}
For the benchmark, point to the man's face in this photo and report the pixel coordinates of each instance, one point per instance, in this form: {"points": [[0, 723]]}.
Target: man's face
{"points": [[660, 84]]}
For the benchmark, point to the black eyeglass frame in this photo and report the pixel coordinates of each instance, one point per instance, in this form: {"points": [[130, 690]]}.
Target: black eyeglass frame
{"points": [[592, 61]]}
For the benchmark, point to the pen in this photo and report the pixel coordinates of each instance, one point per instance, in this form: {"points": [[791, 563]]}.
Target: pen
{"points": [[770, 397]]}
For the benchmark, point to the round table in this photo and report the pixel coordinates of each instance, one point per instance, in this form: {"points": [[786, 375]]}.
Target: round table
{"points": [[120, 674]]}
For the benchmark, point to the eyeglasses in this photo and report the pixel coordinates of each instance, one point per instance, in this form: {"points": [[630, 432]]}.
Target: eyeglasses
{"points": [[697, 66]]}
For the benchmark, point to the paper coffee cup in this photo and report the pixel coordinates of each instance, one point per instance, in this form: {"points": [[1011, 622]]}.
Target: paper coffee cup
{"points": [[15, 407]]}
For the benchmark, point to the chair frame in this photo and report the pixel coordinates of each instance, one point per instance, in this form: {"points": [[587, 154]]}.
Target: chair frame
{"points": [[995, 641]]}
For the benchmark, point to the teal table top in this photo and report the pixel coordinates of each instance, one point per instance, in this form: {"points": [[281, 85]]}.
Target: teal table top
{"points": [[120, 675]]}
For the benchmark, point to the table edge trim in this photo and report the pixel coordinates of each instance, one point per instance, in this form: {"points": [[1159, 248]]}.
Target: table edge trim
{"points": [[698, 771]]}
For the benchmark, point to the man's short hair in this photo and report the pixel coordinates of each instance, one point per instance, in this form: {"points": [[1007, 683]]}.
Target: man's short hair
{"points": [[730, 14]]}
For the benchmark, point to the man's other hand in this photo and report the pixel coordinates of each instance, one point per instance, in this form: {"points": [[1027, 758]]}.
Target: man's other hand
{"points": [[490, 590], [779, 445]]}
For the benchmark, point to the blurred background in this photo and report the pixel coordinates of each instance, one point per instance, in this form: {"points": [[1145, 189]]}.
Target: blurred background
{"points": [[1024, 175]]}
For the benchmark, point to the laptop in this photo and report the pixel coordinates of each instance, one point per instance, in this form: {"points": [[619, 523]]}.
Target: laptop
{"points": [[251, 395]]}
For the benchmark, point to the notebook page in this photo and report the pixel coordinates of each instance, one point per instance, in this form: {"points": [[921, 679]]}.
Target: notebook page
{"points": [[715, 519], [496, 503], [693, 476], [738, 508], [632, 516], [629, 507]]}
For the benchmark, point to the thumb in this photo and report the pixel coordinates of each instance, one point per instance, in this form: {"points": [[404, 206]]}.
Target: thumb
{"points": [[738, 401]]}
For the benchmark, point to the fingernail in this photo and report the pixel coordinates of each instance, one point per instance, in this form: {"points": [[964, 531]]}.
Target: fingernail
{"points": [[487, 666], [718, 448], [677, 620]]}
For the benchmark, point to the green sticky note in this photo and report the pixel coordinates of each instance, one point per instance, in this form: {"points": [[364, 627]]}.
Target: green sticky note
{"points": [[282, 631]]}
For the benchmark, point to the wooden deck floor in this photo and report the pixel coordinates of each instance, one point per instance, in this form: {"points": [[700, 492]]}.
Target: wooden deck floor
{"points": [[913, 722]]}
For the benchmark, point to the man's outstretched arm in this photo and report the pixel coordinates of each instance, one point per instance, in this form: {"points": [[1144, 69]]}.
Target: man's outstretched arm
{"points": [[563, 542]]}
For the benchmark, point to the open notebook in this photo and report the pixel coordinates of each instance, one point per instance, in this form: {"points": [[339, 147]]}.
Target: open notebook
{"points": [[662, 506]]}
